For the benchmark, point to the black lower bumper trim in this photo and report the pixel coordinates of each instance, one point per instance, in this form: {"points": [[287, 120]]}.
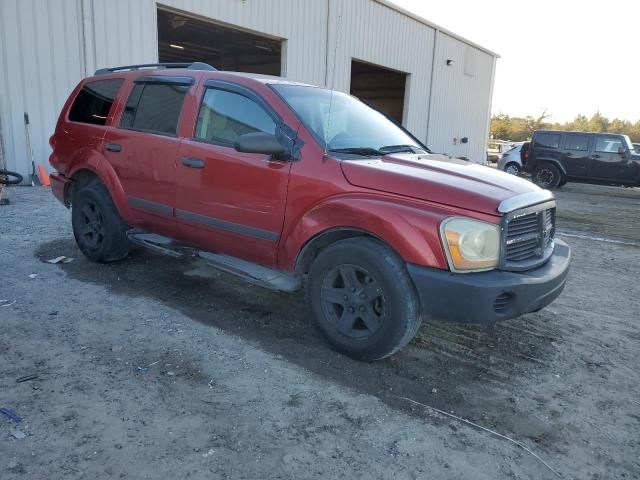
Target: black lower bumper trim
{"points": [[491, 296]]}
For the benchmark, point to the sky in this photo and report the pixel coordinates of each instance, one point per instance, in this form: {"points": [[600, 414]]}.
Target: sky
{"points": [[566, 56]]}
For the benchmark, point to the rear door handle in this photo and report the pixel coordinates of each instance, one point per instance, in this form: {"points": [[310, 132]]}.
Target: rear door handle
{"points": [[192, 162], [595, 156], [113, 147]]}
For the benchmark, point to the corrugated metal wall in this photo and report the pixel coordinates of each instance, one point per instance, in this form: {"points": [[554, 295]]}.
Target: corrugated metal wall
{"points": [[47, 46], [461, 99], [41, 62], [375, 33]]}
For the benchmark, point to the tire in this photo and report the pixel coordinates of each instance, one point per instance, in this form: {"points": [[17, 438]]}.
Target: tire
{"points": [[562, 183], [5, 178], [97, 227], [513, 168], [547, 176], [366, 285]]}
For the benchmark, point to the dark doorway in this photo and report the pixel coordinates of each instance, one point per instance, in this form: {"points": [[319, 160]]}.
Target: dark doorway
{"points": [[383, 88], [185, 39]]}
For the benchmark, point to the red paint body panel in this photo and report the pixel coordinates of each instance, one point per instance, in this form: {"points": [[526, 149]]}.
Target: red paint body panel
{"points": [[265, 211]]}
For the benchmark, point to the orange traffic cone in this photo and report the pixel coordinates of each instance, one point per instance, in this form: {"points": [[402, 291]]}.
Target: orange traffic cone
{"points": [[43, 176]]}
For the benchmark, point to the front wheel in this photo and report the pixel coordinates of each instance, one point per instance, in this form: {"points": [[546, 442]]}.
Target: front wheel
{"points": [[547, 176], [363, 299]]}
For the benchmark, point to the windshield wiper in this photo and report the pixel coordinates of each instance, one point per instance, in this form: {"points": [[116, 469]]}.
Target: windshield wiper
{"points": [[364, 151], [402, 148]]}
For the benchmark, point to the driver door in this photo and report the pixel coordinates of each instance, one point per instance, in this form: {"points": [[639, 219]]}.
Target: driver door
{"points": [[607, 164], [234, 202]]}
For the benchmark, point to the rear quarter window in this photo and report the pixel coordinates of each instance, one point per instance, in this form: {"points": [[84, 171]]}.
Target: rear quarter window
{"points": [[94, 101], [548, 140]]}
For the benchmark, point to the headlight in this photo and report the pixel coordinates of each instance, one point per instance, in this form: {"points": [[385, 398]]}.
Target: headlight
{"points": [[471, 245]]}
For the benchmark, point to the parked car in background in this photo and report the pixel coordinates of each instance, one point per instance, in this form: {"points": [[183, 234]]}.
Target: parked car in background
{"points": [[287, 185], [557, 157], [496, 148], [510, 161]]}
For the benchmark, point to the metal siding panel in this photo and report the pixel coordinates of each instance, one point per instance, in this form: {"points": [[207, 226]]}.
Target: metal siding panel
{"points": [[40, 65], [375, 33], [460, 103]]}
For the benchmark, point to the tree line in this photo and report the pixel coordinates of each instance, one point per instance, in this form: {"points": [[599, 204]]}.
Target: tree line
{"points": [[518, 129]]}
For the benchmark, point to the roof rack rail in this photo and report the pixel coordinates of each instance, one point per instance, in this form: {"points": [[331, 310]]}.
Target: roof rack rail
{"points": [[188, 66]]}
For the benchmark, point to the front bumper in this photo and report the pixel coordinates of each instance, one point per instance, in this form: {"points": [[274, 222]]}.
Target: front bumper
{"points": [[491, 296], [59, 185]]}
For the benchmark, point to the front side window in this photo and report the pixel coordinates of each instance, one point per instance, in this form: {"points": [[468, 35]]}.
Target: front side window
{"points": [[93, 103], [344, 124], [154, 107], [224, 116], [579, 143], [608, 144], [548, 140]]}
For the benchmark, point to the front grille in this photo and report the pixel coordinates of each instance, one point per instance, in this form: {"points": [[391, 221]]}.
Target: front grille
{"points": [[528, 238]]}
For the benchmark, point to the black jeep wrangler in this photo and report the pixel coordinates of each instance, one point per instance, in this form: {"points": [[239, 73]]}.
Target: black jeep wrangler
{"points": [[555, 158]]}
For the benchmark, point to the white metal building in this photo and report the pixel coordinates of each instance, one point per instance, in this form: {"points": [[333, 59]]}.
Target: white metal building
{"points": [[438, 84]]}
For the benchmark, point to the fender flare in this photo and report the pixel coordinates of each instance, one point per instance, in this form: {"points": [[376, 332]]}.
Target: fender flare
{"points": [[408, 229], [553, 161], [95, 163]]}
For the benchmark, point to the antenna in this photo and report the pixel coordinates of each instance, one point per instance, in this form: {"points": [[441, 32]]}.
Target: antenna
{"points": [[333, 78]]}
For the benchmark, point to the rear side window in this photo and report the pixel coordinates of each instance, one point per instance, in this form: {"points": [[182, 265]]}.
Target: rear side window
{"points": [[548, 140], [154, 107], [224, 116], [94, 101], [577, 142]]}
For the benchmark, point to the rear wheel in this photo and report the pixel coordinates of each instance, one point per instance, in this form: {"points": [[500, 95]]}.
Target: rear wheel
{"points": [[97, 227], [547, 175], [363, 299], [512, 168]]}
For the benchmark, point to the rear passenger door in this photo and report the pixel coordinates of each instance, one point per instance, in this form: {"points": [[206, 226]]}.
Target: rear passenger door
{"points": [[576, 154], [143, 148]]}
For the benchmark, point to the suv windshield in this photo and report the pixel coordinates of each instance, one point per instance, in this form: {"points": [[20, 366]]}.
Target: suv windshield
{"points": [[344, 124]]}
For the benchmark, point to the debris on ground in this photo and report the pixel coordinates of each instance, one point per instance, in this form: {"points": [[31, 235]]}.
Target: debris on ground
{"points": [[17, 434], [27, 378], [7, 303], [60, 259], [11, 414], [33, 275]]}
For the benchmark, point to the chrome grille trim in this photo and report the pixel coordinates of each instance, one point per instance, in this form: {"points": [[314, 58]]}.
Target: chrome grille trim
{"points": [[527, 236]]}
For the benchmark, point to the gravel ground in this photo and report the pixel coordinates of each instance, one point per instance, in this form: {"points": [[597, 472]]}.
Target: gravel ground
{"points": [[163, 368]]}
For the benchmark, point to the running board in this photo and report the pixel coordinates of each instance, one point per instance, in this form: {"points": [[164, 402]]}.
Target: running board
{"points": [[156, 242], [252, 272]]}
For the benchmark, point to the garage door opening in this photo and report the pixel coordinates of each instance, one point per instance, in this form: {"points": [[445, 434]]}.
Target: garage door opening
{"points": [[186, 39], [384, 89]]}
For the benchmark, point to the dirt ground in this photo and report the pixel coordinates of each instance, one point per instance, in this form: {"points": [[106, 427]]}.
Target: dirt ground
{"points": [[162, 368]]}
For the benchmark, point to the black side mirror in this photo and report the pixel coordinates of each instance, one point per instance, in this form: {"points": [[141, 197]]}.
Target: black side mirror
{"points": [[622, 152], [260, 142]]}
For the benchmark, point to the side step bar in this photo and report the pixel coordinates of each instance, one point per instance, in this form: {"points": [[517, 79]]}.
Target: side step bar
{"points": [[153, 241], [252, 272]]}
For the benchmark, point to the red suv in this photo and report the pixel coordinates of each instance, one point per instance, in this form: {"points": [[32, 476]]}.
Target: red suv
{"points": [[285, 184]]}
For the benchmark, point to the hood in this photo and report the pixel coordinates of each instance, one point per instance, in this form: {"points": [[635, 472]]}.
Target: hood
{"points": [[437, 178]]}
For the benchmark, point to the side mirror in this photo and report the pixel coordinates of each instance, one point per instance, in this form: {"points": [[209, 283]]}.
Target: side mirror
{"points": [[622, 152], [260, 142]]}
